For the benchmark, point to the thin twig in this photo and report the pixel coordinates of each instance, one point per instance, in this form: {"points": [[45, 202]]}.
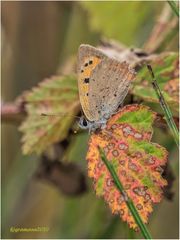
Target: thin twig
{"points": [[165, 107], [12, 113], [129, 202]]}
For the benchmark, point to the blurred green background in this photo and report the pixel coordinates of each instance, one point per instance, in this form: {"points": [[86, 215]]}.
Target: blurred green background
{"points": [[39, 39]]}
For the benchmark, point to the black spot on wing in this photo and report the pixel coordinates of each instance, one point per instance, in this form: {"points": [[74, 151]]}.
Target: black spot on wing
{"points": [[86, 80]]}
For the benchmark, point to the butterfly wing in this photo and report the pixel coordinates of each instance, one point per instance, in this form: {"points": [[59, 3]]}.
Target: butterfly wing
{"points": [[88, 59], [109, 85], [103, 82]]}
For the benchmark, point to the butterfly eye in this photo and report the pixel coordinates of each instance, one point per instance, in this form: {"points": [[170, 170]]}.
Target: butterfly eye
{"points": [[84, 122]]}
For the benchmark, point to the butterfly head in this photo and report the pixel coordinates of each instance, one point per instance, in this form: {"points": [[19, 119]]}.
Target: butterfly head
{"points": [[84, 123], [91, 126]]}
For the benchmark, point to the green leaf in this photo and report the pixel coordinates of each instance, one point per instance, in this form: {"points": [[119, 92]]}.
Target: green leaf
{"points": [[141, 119], [147, 148], [135, 160], [57, 99], [165, 68], [129, 202]]}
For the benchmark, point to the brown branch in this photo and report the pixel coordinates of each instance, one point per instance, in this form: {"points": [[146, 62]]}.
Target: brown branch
{"points": [[12, 112], [15, 113]]}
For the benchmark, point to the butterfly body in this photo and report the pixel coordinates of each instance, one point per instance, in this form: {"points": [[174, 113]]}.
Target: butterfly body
{"points": [[103, 84]]}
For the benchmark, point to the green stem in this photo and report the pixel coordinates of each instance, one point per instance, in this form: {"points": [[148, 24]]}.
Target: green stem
{"points": [[165, 107], [129, 202], [174, 7]]}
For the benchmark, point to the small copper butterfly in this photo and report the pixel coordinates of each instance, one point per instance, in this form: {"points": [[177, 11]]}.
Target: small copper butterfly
{"points": [[103, 84]]}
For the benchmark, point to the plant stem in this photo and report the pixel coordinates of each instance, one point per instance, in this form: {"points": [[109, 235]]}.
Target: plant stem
{"points": [[129, 202], [174, 7], [165, 107]]}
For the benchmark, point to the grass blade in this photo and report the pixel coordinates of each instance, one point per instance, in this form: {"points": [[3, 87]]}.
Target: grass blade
{"points": [[165, 107], [129, 202], [174, 7]]}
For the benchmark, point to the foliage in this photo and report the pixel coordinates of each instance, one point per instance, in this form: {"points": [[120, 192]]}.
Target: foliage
{"points": [[39, 54], [137, 161], [57, 97], [165, 67]]}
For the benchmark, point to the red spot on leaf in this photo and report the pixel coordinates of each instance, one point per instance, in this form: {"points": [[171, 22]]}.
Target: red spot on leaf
{"points": [[138, 170]]}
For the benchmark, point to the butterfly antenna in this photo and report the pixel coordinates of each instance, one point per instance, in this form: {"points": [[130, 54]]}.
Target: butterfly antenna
{"points": [[58, 115], [164, 106]]}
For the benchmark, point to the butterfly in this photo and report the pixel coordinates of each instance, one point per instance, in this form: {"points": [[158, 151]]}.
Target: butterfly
{"points": [[103, 84]]}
